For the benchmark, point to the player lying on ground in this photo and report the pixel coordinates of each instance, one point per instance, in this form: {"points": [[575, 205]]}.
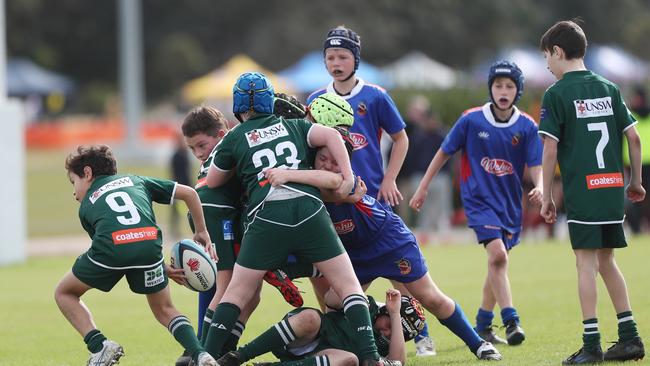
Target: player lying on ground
{"points": [[307, 337]]}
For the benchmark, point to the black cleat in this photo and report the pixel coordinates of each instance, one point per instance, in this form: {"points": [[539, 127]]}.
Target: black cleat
{"points": [[488, 334], [583, 356], [514, 334], [184, 359], [626, 350], [231, 358]]}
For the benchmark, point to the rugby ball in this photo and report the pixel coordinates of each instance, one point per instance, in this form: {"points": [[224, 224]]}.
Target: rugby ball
{"points": [[200, 270]]}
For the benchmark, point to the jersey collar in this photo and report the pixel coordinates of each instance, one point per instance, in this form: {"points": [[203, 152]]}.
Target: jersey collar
{"points": [[487, 113], [356, 90]]}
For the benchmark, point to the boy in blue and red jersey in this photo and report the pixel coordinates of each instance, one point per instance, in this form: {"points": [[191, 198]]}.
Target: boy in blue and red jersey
{"points": [[498, 142], [374, 111]]}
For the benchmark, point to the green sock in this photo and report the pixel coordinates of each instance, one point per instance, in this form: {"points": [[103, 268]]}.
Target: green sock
{"points": [[233, 338], [278, 336], [184, 334], [94, 341], [626, 326], [355, 308], [321, 360], [207, 319], [590, 335], [300, 270], [225, 316]]}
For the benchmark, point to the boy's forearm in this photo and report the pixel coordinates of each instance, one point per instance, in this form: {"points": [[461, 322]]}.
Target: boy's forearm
{"points": [[549, 160], [434, 167], [397, 345], [397, 154], [318, 178], [634, 151], [193, 202], [536, 176]]}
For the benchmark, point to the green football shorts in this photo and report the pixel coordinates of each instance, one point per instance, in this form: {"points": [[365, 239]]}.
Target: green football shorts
{"points": [[596, 236], [299, 226], [142, 280]]}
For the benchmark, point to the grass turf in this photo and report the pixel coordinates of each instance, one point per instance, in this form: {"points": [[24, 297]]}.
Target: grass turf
{"points": [[542, 275]]}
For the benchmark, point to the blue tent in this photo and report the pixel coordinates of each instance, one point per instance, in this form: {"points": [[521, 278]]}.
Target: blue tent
{"points": [[26, 78], [309, 73], [616, 64]]}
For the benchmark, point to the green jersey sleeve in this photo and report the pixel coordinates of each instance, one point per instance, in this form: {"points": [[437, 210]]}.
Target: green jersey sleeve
{"points": [[551, 118], [161, 190], [223, 157]]}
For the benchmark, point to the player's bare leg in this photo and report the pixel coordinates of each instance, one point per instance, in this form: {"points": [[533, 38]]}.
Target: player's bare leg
{"points": [[68, 297], [614, 280], [587, 266], [488, 303], [497, 277], [321, 286], [498, 273], [629, 345]]}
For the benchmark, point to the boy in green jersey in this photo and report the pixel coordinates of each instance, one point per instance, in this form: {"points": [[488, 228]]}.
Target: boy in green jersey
{"points": [[583, 121], [116, 211]]}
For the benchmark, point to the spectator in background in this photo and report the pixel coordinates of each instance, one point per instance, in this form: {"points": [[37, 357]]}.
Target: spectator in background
{"points": [[426, 135], [180, 172], [639, 212]]}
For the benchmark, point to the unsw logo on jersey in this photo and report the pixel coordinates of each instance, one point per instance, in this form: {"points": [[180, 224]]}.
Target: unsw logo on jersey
{"points": [[112, 185], [344, 227], [498, 167], [598, 107], [258, 137]]}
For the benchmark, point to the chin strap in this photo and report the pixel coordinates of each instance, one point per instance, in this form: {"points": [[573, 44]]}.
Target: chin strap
{"points": [[350, 77]]}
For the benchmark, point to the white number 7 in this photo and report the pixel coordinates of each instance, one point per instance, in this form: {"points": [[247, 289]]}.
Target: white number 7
{"points": [[604, 139]]}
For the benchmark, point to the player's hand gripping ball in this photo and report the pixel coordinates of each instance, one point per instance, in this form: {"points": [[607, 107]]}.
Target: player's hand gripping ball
{"points": [[200, 270]]}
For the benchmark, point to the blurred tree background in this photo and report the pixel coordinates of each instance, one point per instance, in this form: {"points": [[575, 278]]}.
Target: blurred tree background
{"points": [[183, 40]]}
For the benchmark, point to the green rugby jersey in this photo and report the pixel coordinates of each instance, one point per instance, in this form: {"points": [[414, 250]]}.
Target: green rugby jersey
{"points": [[586, 114], [118, 216], [264, 142], [226, 196]]}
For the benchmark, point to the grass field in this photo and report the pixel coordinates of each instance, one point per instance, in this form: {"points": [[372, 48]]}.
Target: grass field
{"points": [[543, 280]]}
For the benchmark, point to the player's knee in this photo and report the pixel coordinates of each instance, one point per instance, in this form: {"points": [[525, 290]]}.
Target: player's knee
{"points": [[306, 322], [498, 259], [350, 359]]}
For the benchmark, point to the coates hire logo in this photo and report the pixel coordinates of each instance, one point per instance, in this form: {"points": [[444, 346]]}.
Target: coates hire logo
{"points": [[498, 167], [598, 107], [606, 180], [112, 185], [194, 264], [134, 235], [258, 137], [359, 140], [344, 227]]}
